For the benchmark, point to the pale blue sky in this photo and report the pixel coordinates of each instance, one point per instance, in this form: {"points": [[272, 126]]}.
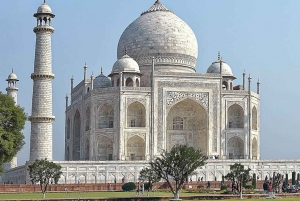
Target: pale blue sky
{"points": [[261, 37]]}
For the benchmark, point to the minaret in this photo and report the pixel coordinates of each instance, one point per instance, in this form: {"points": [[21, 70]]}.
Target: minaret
{"points": [[12, 91], [41, 116]]}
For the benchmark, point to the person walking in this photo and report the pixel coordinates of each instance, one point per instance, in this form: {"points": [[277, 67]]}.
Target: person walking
{"points": [[265, 187]]}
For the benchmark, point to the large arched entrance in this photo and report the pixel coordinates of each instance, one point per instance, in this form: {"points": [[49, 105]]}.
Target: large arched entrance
{"points": [[235, 148], [136, 147], [187, 124]]}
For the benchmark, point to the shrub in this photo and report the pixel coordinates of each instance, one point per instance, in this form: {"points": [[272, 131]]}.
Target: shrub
{"points": [[249, 186], [200, 186], [223, 187], [128, 186]]}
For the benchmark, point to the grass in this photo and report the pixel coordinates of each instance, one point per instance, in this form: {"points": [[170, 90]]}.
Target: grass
{"points": [[104, 194]]}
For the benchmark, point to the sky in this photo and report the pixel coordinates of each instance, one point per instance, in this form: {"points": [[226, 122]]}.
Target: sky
{"points": [[260, 37]]}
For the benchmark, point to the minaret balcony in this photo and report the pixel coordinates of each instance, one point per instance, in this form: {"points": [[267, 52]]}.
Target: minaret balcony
{"points": [[40, 28], [37, 76]]}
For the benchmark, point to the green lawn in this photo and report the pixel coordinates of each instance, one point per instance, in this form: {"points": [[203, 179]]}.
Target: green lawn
{"points": [[102, 194]]}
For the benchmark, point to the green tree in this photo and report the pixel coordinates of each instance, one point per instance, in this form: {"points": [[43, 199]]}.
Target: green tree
{"points": [[177, 165], [12, 121], [42, 171], [240, 175], [147, 174]]}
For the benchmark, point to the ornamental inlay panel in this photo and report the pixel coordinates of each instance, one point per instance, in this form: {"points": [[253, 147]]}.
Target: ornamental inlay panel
{"points": [[175, 96], [132, 100], [142, 135]]}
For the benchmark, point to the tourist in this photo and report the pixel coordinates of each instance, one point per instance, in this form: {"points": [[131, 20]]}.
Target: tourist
{"points": [[270, 187], [123, 180], [108, 186], [208, 185], [137, 189], [265, 187]]}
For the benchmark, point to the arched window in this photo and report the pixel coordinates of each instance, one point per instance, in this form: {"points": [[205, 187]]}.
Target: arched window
{"points": [[136, 115], [254, 118], [136, 147], [88, 89], [68, 128], [235, 148], [178, 123], [137, 82], [129, 82], [106, 116], [235, 116], [224, 85], [87, 119], [105, 149], [76, 137], [254, 149]]}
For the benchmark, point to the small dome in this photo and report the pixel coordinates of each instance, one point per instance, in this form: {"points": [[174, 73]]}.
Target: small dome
{"points": [[215, 68], [126, 64], [44, 8], [101, 81], [12, 76]]}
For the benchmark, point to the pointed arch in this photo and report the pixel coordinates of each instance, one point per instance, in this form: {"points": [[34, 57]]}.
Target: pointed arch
{"points": [[106, 116], [136, 148], [235, 148], [136, 115], [254, 149], [129, 82], [105, 149], [254, 118], [87, 119], [137, 81], [224, 85], [76, 136], [235, 116], [187, 124]]}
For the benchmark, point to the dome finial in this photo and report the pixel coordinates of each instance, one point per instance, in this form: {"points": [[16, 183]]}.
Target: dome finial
{"points": [[219, 56], [101, 71], [12, 70], [44, 1]]}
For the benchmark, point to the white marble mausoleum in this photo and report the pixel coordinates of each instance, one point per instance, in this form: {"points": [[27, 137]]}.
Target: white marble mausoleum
{"points": [[152, 100]]}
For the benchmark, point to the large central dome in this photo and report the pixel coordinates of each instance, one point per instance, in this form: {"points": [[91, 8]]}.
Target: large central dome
{"points": [[159, 33]]}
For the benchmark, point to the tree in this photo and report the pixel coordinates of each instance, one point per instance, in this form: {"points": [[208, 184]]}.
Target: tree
{"points": [[147, 174], [12, 121], [42, 171], [240, 175], [177, 165]]}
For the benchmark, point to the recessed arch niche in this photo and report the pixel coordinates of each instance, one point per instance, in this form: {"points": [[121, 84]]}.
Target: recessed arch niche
{"points": [[187, 123]]}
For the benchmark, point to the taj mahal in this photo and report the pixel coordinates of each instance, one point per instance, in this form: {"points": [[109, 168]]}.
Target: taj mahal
{"points": [[152, 99]]}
